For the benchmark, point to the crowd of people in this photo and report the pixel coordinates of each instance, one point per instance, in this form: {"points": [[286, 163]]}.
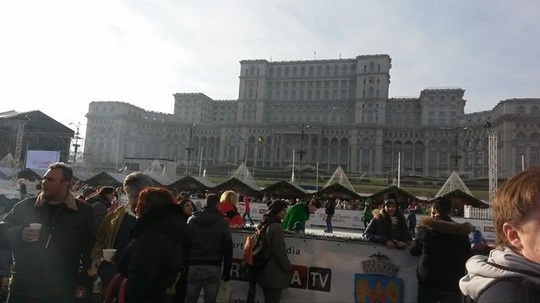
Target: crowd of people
{"points": [[166, 248], [169, 250]]}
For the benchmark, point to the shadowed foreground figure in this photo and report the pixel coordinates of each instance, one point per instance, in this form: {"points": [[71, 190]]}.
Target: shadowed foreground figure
{"points": [[443, 247], [511, 272]]}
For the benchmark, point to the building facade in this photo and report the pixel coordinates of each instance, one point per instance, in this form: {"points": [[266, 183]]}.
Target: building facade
{"points": [[320, 112]]}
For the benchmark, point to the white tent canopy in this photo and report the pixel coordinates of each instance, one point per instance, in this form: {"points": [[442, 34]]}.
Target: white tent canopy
{"points": [[339, 177], [242, 173], [454, 182]]}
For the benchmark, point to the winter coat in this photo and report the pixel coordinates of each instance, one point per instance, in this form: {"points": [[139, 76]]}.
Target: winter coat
{"points": [[380, 229], [247, 205], [368, 213], [504, 276], [411, 219], [152, 260], [108, 230], [58, 261], [210, 240], [443, 247], [297, 213], [230, 212], [277, 271], [330, 208]]}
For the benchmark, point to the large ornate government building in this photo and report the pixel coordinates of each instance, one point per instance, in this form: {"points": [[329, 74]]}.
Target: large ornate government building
{"points": [[325, 112]]}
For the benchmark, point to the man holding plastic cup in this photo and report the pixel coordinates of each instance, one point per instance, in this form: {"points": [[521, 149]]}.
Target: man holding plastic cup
{"points": [[50, 236]]}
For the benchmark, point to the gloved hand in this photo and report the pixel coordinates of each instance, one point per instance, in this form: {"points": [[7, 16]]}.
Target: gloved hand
{"points": [[226, 276]]}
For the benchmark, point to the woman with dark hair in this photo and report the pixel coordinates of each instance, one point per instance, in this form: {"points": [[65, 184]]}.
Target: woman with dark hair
{"points": [[275, 275], [152, 260], [389, 226], [188, 207], [101, 201]]}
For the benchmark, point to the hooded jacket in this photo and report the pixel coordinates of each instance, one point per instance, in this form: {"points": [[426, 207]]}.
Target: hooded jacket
{"points": [[277, 270], [297, 213], [380, 229], [504, 276], [230, 212], [152, 260], [443, 247], [58, 261], [210, 240]]}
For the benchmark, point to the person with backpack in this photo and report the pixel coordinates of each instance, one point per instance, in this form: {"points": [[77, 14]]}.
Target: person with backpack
{"points": [[274, 276]]}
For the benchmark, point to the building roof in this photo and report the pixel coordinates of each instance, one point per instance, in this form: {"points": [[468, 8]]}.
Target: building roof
{"points": [[285, 190], [192, 184]]}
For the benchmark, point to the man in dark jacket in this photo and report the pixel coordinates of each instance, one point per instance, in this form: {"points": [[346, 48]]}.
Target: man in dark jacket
{"points": [[210, 245], [51, 261], [443, 247], [329, 210]]}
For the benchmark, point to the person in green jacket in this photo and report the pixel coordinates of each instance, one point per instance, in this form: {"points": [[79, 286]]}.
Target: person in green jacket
{"points": [[368, 212], [297, 215]]}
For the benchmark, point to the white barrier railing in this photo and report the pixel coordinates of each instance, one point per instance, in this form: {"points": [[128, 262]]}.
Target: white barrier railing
{"points": [[478, 213]]}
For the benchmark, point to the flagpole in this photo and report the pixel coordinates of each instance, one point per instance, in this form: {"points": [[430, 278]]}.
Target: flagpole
{"points": [[292, 175], [317, 177], [200, 161], [399, 169]]}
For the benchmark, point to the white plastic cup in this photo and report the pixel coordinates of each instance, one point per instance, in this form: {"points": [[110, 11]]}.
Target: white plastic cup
{"points": [[108, 254], [36, 226]]}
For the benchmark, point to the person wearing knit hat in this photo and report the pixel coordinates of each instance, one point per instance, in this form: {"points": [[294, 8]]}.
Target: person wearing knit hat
{"points": [[276, 206], [275, 275], [389, 226]]}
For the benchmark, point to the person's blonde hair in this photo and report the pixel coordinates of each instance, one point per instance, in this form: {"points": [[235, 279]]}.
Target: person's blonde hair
{"points": [[514, 201], [229, 196]]}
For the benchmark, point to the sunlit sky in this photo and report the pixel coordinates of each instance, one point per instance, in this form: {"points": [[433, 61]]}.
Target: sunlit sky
{"points": [[57, 56]]}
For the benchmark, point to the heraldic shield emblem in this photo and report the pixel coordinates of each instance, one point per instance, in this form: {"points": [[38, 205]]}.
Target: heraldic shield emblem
{"points": [[378, 283]]}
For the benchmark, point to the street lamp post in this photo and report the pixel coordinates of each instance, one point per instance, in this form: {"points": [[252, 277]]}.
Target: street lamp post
{"points": [[456, 155], [301, 152], [260, 139], [76, 145], [189, 149]]}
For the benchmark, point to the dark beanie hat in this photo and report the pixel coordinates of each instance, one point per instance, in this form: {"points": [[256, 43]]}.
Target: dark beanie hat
{"points": [[443, 205], [390, 198], [276, 206]]}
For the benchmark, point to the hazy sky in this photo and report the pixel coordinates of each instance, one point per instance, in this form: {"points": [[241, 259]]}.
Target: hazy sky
{"points": [[57, 56]]}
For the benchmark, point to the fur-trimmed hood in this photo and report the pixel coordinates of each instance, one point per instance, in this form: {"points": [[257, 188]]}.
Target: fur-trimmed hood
{"points": [[69, 202], [449, 227]]}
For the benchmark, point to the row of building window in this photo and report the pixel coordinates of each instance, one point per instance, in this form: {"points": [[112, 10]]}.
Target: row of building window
{"points": [[311, 70], [310, 84]]}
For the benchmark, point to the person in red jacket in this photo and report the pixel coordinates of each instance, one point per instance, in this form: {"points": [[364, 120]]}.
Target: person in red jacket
{"points": [[247, 210], [227, 207]]}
